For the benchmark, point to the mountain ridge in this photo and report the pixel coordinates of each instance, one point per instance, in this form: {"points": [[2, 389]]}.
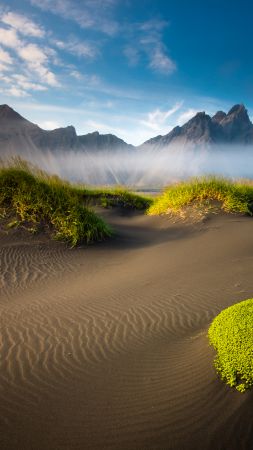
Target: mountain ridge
{"points": [[222, 128], [17, 134]]}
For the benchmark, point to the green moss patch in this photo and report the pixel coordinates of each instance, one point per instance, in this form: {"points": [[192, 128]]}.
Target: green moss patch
{"points": [[231, 334]]}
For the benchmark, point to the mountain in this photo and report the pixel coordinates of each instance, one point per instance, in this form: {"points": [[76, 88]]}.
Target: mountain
{"points": [[189, 150], [234, 127], [18, 135]]}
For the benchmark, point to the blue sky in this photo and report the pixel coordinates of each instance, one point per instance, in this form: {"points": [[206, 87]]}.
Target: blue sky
{"points": [[131, 68]]}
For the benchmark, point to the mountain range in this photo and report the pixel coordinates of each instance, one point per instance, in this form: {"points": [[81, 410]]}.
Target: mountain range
{"points": [[234, 127], [18, 135]]}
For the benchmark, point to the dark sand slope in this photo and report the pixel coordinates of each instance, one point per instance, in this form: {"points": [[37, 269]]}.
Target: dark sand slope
{"points": [[105, 347]]}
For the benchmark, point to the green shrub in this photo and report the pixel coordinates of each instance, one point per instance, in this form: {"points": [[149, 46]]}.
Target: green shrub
{"points": [[233, 197], [231, 334]]}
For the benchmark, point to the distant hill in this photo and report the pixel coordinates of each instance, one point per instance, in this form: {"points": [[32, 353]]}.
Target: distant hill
{"points": [[234, 127], [18, 135]]}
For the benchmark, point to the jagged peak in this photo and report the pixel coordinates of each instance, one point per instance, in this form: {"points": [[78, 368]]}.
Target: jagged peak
{"points": [[219, 116], [236, 109], [70, 129], [200, 115]]}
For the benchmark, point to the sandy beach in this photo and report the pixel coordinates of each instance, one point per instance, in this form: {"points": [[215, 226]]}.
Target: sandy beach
{"points": [[105, 346]]}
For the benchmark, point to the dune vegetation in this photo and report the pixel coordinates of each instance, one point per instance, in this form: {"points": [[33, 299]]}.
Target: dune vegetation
{"points": [[231, 334], [35, 200], [235, 197], [36, 204], [115, 196]]}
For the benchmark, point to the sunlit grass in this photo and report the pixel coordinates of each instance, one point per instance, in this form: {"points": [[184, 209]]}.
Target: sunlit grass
{"points": [[234, 197], [231, 334], [32, 198], [116, 196]]}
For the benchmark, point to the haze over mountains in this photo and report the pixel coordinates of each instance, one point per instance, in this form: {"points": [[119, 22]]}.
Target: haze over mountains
{"points": [[18, 134], [220, 144]]}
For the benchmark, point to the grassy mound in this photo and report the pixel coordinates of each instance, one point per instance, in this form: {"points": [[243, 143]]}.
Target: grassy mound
{"points": [[38, 202], [233, 197], [231, 334]]}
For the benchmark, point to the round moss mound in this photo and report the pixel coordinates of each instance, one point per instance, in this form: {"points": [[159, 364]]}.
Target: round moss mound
{"points": [[231, 334]]}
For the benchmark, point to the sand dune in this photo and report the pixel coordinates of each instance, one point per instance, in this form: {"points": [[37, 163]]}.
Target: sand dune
{"points": [[105, 347]]}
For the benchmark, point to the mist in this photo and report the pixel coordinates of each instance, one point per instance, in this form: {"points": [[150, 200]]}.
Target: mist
{"points": [[145, 169]]}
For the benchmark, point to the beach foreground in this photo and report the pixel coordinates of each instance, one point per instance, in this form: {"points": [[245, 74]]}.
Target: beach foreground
{"points": [[105, 346]]}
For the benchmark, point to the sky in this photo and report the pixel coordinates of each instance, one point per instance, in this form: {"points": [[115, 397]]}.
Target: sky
{"points": [[131, 68]]}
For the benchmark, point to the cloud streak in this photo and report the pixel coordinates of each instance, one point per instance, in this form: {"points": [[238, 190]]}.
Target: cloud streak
{"points": [[22, 24], [77, 47], [147, 39], [21, 57], [89, 14], [160, 61], [157, 119]]}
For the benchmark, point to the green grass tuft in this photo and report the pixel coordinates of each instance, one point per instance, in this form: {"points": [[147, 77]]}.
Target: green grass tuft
{"points": [[234, 197], [231, 334], [32, 198], [47, 202], [119, 196]]}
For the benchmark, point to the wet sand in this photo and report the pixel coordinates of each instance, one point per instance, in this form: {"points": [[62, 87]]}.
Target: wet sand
{"points": [[105, 347]]}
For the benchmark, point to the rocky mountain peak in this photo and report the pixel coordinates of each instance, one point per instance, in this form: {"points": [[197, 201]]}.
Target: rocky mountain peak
{"points": [[219, 116], [237, 126], [7, 113], [238, 110]]}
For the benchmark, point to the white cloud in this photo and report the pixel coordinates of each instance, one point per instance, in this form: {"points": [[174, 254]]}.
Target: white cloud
{"points": [[3, 68], [22, 24], [36, 59], [15, 91], [78, 48], [94, 14], [157, 120], [32, 54], [76, 74], [146, 39], [25, 83], [5, 57], [161, 62], [186, 115], [9, 38]]}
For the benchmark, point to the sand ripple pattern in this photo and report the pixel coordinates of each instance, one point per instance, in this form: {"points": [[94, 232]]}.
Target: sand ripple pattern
{"points": [[114, 355]]}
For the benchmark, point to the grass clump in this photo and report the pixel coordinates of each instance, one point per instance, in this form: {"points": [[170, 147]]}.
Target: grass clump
{"points": [[119, 196], [234, 197], [231, 334], [103, 196], [41, 201]]}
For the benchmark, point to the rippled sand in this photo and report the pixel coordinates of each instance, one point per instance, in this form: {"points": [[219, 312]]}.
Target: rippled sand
{"points": [[105, 347]]}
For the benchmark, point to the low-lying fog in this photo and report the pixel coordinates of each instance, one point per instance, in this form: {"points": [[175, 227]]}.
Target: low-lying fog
{"points": [[145, 168]]}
